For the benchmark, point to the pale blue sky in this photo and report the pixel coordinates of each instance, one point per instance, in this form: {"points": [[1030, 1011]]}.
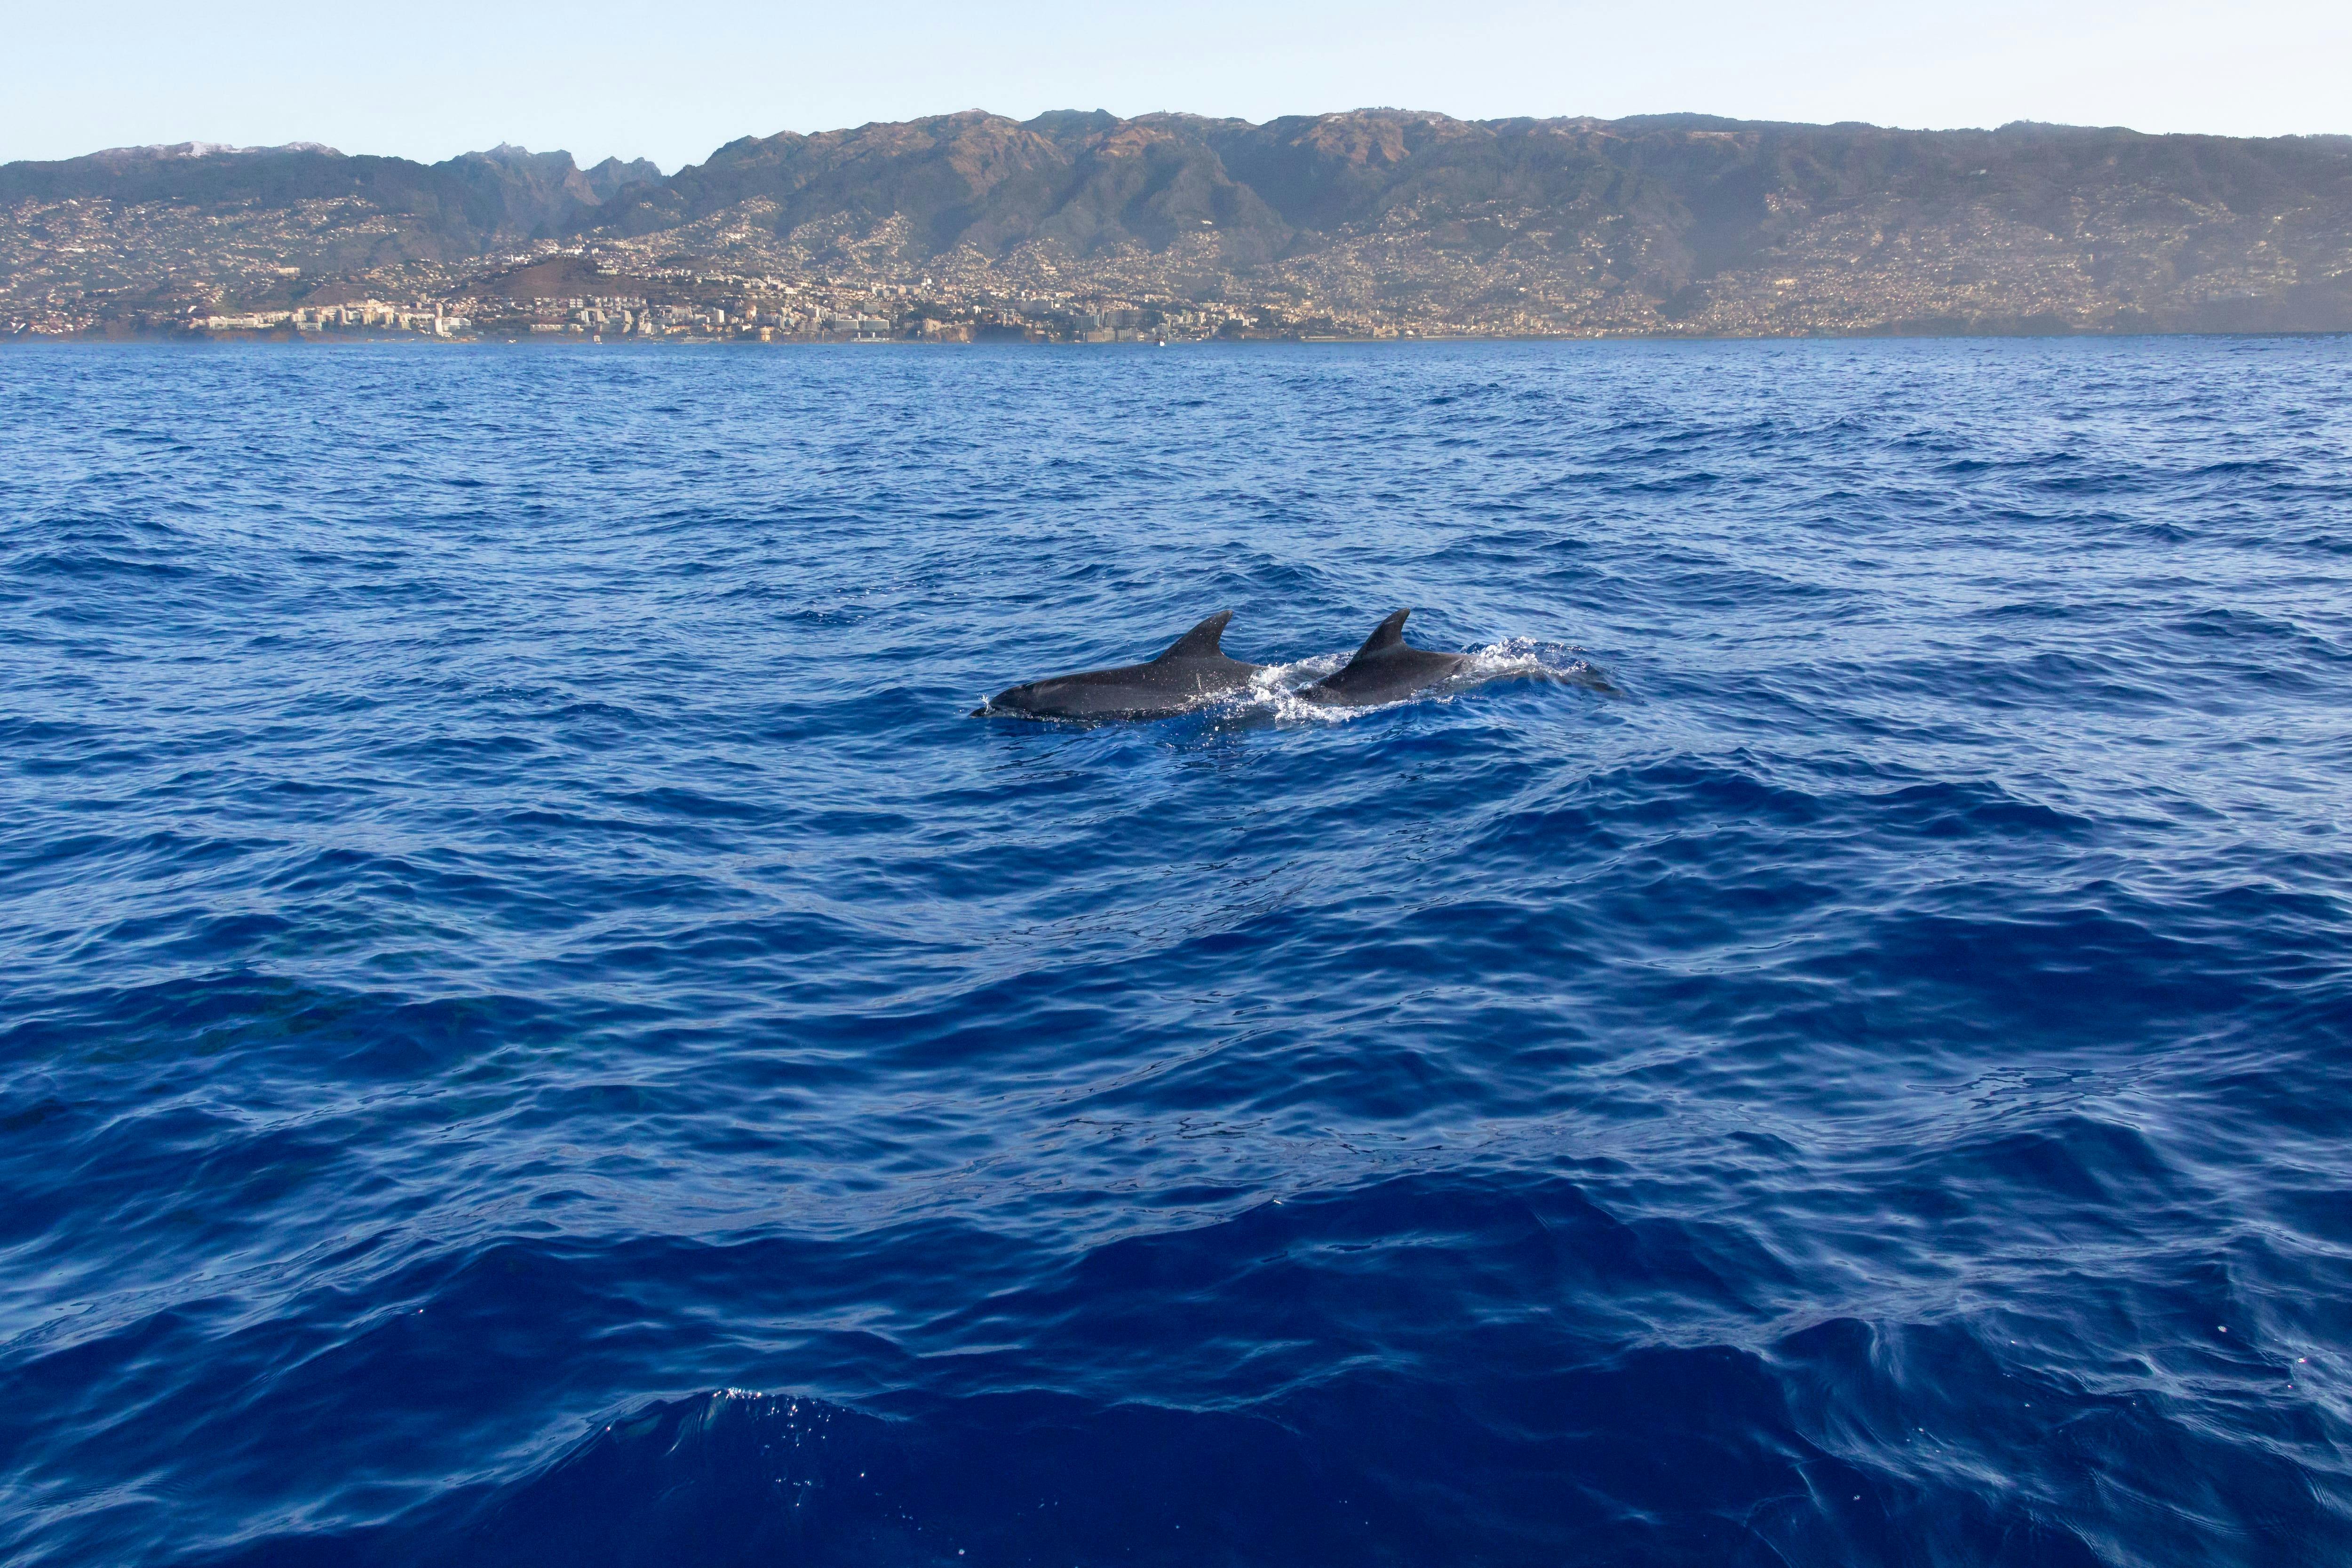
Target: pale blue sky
{"points": [[670, 82]]}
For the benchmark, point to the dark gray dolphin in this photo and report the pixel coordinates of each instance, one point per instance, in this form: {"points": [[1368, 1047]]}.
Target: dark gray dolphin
{"points": [[1192, 672], [1385, 669]]}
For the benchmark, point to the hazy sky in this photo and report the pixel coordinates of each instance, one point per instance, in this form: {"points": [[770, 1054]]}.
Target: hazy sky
{"points": [[673, 81]]}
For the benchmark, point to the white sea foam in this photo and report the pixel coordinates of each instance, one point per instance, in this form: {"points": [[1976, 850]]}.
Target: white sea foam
{"points": [[1274, 688]]}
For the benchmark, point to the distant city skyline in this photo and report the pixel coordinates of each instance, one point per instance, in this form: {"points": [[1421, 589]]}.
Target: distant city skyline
{"points": [[598, 79]]}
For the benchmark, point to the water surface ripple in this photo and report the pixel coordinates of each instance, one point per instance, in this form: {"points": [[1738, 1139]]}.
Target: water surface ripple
{"points": [[536, 1029]]}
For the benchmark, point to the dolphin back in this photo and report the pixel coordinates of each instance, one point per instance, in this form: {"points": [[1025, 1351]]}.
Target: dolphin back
{"points": [[1194, 669], [1385, 669]]}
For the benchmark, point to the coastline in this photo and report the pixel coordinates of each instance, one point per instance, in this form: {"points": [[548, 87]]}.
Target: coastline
{"points": [[1900, 331]]}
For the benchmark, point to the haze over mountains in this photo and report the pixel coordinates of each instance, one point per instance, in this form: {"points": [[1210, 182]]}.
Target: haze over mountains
{"points": [[1674, 223]]}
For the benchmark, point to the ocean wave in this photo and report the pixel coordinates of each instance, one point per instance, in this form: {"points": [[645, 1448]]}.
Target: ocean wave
{"points": [[1823, 1045]]}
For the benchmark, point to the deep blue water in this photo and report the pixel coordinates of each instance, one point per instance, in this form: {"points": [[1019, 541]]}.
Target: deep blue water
{"points": [[535, 1028]]}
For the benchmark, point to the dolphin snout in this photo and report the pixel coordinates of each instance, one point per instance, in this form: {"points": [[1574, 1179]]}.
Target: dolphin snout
{"points": [[1012, 699]]}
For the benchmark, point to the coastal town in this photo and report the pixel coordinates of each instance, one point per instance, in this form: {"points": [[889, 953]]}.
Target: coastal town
{"points": [[601, 303], [614, 294], [619, 293]]}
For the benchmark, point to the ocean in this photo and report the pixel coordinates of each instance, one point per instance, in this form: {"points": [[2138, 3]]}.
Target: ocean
{"points": [[537, 1026]]}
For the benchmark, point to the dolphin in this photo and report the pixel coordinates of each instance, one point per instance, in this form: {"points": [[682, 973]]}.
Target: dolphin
{"points": [[1385, 669], [1193, 670]]}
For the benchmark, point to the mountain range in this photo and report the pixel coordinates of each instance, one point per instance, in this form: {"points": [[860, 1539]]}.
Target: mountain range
{"points": [[1675, 222]]}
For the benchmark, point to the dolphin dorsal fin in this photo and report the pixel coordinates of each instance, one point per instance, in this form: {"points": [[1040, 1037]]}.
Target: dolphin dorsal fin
{"points": [[1388, 633], [1200, 641]]}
